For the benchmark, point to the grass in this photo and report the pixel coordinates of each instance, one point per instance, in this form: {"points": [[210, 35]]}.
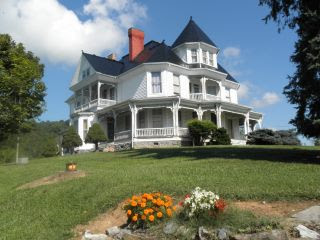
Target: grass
{"points": [[50, 212]]}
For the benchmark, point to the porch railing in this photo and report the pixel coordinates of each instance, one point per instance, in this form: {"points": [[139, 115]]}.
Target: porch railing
{"points": [[101, 102], [123, 135], [183, 132], [203, 97], [155, 132]]}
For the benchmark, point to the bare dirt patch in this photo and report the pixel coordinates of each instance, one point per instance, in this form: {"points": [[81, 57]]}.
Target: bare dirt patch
{"points": [[111, 218], [276, 209], [59, 177]]}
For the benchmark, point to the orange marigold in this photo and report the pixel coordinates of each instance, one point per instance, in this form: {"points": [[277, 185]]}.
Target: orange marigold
{"points": [[149, 197], [154, 201], [159, 214], [129, 212], [143, 205], [146, 211], [150, 210], [134, 203], [144, 200], [169, 212], [135, 218], [151, 218], [143, 217]]}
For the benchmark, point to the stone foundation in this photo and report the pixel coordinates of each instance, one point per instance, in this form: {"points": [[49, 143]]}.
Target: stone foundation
{"points": [[157, 144]]}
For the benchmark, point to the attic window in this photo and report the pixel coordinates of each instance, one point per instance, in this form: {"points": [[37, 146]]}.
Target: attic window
{"points": [[204, 57], [194, 57], [210, 58], [85, 73]]}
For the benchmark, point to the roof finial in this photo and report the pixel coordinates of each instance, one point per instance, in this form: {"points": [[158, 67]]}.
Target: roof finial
{"points": [[190, 18]]}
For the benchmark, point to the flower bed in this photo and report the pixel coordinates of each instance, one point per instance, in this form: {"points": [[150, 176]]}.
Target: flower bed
{"points": [[201, 202], [149, 208]]}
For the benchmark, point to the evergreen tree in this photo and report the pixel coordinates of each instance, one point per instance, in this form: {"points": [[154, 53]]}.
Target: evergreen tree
{"points": [[303, 89], [71, 139], [200, 130], [220, 137], [95, 135]]}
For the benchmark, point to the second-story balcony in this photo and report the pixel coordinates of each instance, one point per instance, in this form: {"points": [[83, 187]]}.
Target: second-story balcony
{"points": [[204, 97], [95, 103]]}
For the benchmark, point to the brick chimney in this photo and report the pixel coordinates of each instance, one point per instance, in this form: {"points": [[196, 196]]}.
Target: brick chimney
{"points": [[136, 42]]}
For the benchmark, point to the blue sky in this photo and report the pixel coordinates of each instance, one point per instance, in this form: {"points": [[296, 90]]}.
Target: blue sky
{"points": [[254, 52]]}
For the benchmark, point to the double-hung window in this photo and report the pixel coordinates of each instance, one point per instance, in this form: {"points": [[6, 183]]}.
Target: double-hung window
{"points": [[194, 57], [156, 82], [204, 57], [210, 58], [85, 128], [176, 85]]}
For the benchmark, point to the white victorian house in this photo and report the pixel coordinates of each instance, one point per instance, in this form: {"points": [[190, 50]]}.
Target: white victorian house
{"points": [[146, 98]]}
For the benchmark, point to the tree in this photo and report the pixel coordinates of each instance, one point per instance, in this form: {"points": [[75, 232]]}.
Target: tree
{"points": [[71, 139], [303, 89], [22, 91], [200, 130], [95, 135], [289, 137], [317, 142], [220, 137]]}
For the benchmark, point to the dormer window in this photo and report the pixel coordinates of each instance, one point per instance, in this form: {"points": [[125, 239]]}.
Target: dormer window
{"points": [[204, 57], [210, 58], [194, 57], [85, 73]]}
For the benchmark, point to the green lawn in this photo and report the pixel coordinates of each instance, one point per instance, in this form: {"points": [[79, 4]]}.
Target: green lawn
{"points": [[50, 212]]}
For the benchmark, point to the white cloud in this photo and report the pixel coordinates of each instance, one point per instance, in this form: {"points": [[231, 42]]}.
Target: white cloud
{"points": [[231, 52], [244, 90], [269, 98], [57, 34]]}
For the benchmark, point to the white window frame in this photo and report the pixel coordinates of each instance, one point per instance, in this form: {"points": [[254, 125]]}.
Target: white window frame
{"points": [[211, 61], [176, 85], [204, 56], [194, 54], [156, 84]]}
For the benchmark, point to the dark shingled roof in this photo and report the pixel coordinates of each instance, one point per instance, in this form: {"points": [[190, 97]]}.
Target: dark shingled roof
{"points": [[192, 33], [153, 52], [104, 65]]}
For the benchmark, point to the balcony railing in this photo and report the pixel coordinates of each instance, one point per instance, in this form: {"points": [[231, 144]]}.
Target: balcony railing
{"points": [[94, 103], [203, 97], [155, 132], [124, 135], [183, 132]]}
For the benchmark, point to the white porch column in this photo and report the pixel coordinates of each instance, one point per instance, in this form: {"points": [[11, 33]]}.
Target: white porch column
{"points": [[98, 89], [246, 124], [175, 118], [90, 93], [218, 115], [199, 113], [82, 97], [203, 87]]}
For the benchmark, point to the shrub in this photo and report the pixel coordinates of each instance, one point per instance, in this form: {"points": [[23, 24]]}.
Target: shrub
{"points": [[317, 142], [149, 208], [220, 137], [289, 137], [71, 139], [270, 137], [264, 137], [95, 135], [200, 130]]}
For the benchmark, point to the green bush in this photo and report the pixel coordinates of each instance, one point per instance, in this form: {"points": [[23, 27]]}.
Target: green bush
{"points": [[270, 137], [200, 130], [220, 137], [317, 142], [71, 139], [95, 135]]}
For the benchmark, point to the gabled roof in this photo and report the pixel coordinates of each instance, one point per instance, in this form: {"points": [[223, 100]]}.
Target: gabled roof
{"points": [[192, 33], [104, 65], [229, 77]]}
